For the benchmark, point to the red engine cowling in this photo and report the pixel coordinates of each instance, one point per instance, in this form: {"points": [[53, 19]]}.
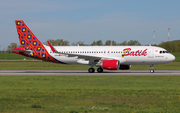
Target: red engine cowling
{"points": [[125, 66], [110, 64]]}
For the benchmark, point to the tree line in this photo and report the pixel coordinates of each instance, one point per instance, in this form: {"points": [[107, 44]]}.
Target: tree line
{"points": [[169, 46]]}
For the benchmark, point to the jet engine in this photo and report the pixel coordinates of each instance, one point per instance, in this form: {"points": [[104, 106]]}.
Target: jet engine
{"points": [[110, 64], [125, 66]]}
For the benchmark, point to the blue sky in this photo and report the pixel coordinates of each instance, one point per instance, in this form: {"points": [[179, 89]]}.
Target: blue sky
{"points": [[89, 20]]}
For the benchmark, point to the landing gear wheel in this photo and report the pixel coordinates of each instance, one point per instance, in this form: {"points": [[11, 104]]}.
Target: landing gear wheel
{"points": [[99, 70], [91, 70], [152, 71]]}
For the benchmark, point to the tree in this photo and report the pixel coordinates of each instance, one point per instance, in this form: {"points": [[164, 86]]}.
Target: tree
{"points": [[114, 43], [94, 43], [108, 43], [170, 46], [133, 43], [58, 42], [65, 43], [124, 43], [79, 43], [98, 43], [11, 47]]}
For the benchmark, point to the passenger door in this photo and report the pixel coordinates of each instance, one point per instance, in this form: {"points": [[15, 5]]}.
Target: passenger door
{"points": [[151, 52]]}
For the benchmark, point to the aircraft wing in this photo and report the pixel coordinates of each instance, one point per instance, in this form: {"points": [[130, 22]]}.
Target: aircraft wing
{"points": [[86, 57]]}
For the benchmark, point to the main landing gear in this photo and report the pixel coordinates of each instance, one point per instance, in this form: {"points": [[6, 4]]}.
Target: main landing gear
{"points": [[100, 70], [151, 70], [91, 70]]}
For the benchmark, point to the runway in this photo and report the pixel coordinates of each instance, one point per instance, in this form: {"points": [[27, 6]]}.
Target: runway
{"points": [[85, 73]]}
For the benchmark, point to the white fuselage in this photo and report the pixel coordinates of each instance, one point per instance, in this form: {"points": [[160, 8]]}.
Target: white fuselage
{"points": [[132, 54]]}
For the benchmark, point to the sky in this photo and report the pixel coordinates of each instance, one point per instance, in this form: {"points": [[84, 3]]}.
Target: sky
{"points": [[91, 20]]}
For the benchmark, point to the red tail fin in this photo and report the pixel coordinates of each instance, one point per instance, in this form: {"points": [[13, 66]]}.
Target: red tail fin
{"points": [[28, 41]]}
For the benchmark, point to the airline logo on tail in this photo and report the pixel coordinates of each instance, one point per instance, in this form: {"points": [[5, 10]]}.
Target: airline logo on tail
{"points": [[29, 43]]}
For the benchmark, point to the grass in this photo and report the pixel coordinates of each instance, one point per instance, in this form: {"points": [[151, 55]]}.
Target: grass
{"points": [[13, 56], [78, 94], [41, 65], [177, 55]]}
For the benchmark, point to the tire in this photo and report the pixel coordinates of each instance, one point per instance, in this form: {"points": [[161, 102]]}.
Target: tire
{"points": [[152, 71], [99, 70], [91, 70]]}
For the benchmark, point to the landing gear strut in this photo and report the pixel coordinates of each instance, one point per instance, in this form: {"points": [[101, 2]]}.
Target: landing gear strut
{"points": [[91, 70], [99, 70], [151, 70]]}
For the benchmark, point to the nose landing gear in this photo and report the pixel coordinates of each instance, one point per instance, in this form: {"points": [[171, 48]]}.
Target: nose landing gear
{"points": [[151, 70]]}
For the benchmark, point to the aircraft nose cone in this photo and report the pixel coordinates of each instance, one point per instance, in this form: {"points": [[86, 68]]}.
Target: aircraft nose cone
{"points": [[172, 58]]}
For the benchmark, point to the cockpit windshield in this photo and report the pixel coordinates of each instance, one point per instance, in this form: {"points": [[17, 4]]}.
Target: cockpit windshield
{"points": [[161, 52]]}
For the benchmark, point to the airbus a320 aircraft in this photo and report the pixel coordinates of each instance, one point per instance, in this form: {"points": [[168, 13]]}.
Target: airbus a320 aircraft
{"points": [[104, 57]]}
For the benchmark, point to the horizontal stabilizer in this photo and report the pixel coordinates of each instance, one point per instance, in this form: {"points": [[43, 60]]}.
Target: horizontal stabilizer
{"points": [[21, 50]]}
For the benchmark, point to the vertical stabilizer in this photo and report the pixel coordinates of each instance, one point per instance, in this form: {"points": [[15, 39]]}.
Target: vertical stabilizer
{"points": [[29, 42]]}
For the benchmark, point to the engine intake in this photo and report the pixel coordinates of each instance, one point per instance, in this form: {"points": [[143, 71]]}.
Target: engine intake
{"points": [[110, 64]]}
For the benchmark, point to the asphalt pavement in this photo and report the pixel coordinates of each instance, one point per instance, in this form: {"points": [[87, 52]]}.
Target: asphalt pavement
{"points": [[85, 73]]}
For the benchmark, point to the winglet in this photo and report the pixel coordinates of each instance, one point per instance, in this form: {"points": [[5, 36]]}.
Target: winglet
{"points": [[52, 48]]}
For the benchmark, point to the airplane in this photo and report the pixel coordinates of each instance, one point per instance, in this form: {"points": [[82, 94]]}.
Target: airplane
{"points": [[104, 57]]}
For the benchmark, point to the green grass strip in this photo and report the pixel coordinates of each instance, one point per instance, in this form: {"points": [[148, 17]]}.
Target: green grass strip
{"points": [[84, 94]]}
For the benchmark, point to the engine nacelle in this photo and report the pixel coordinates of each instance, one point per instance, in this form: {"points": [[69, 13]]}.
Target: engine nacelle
{"points": [[110, 64], [125, 66]]}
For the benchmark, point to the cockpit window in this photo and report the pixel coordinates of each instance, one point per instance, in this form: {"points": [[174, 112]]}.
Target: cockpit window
{"points": [[163, 52]]}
